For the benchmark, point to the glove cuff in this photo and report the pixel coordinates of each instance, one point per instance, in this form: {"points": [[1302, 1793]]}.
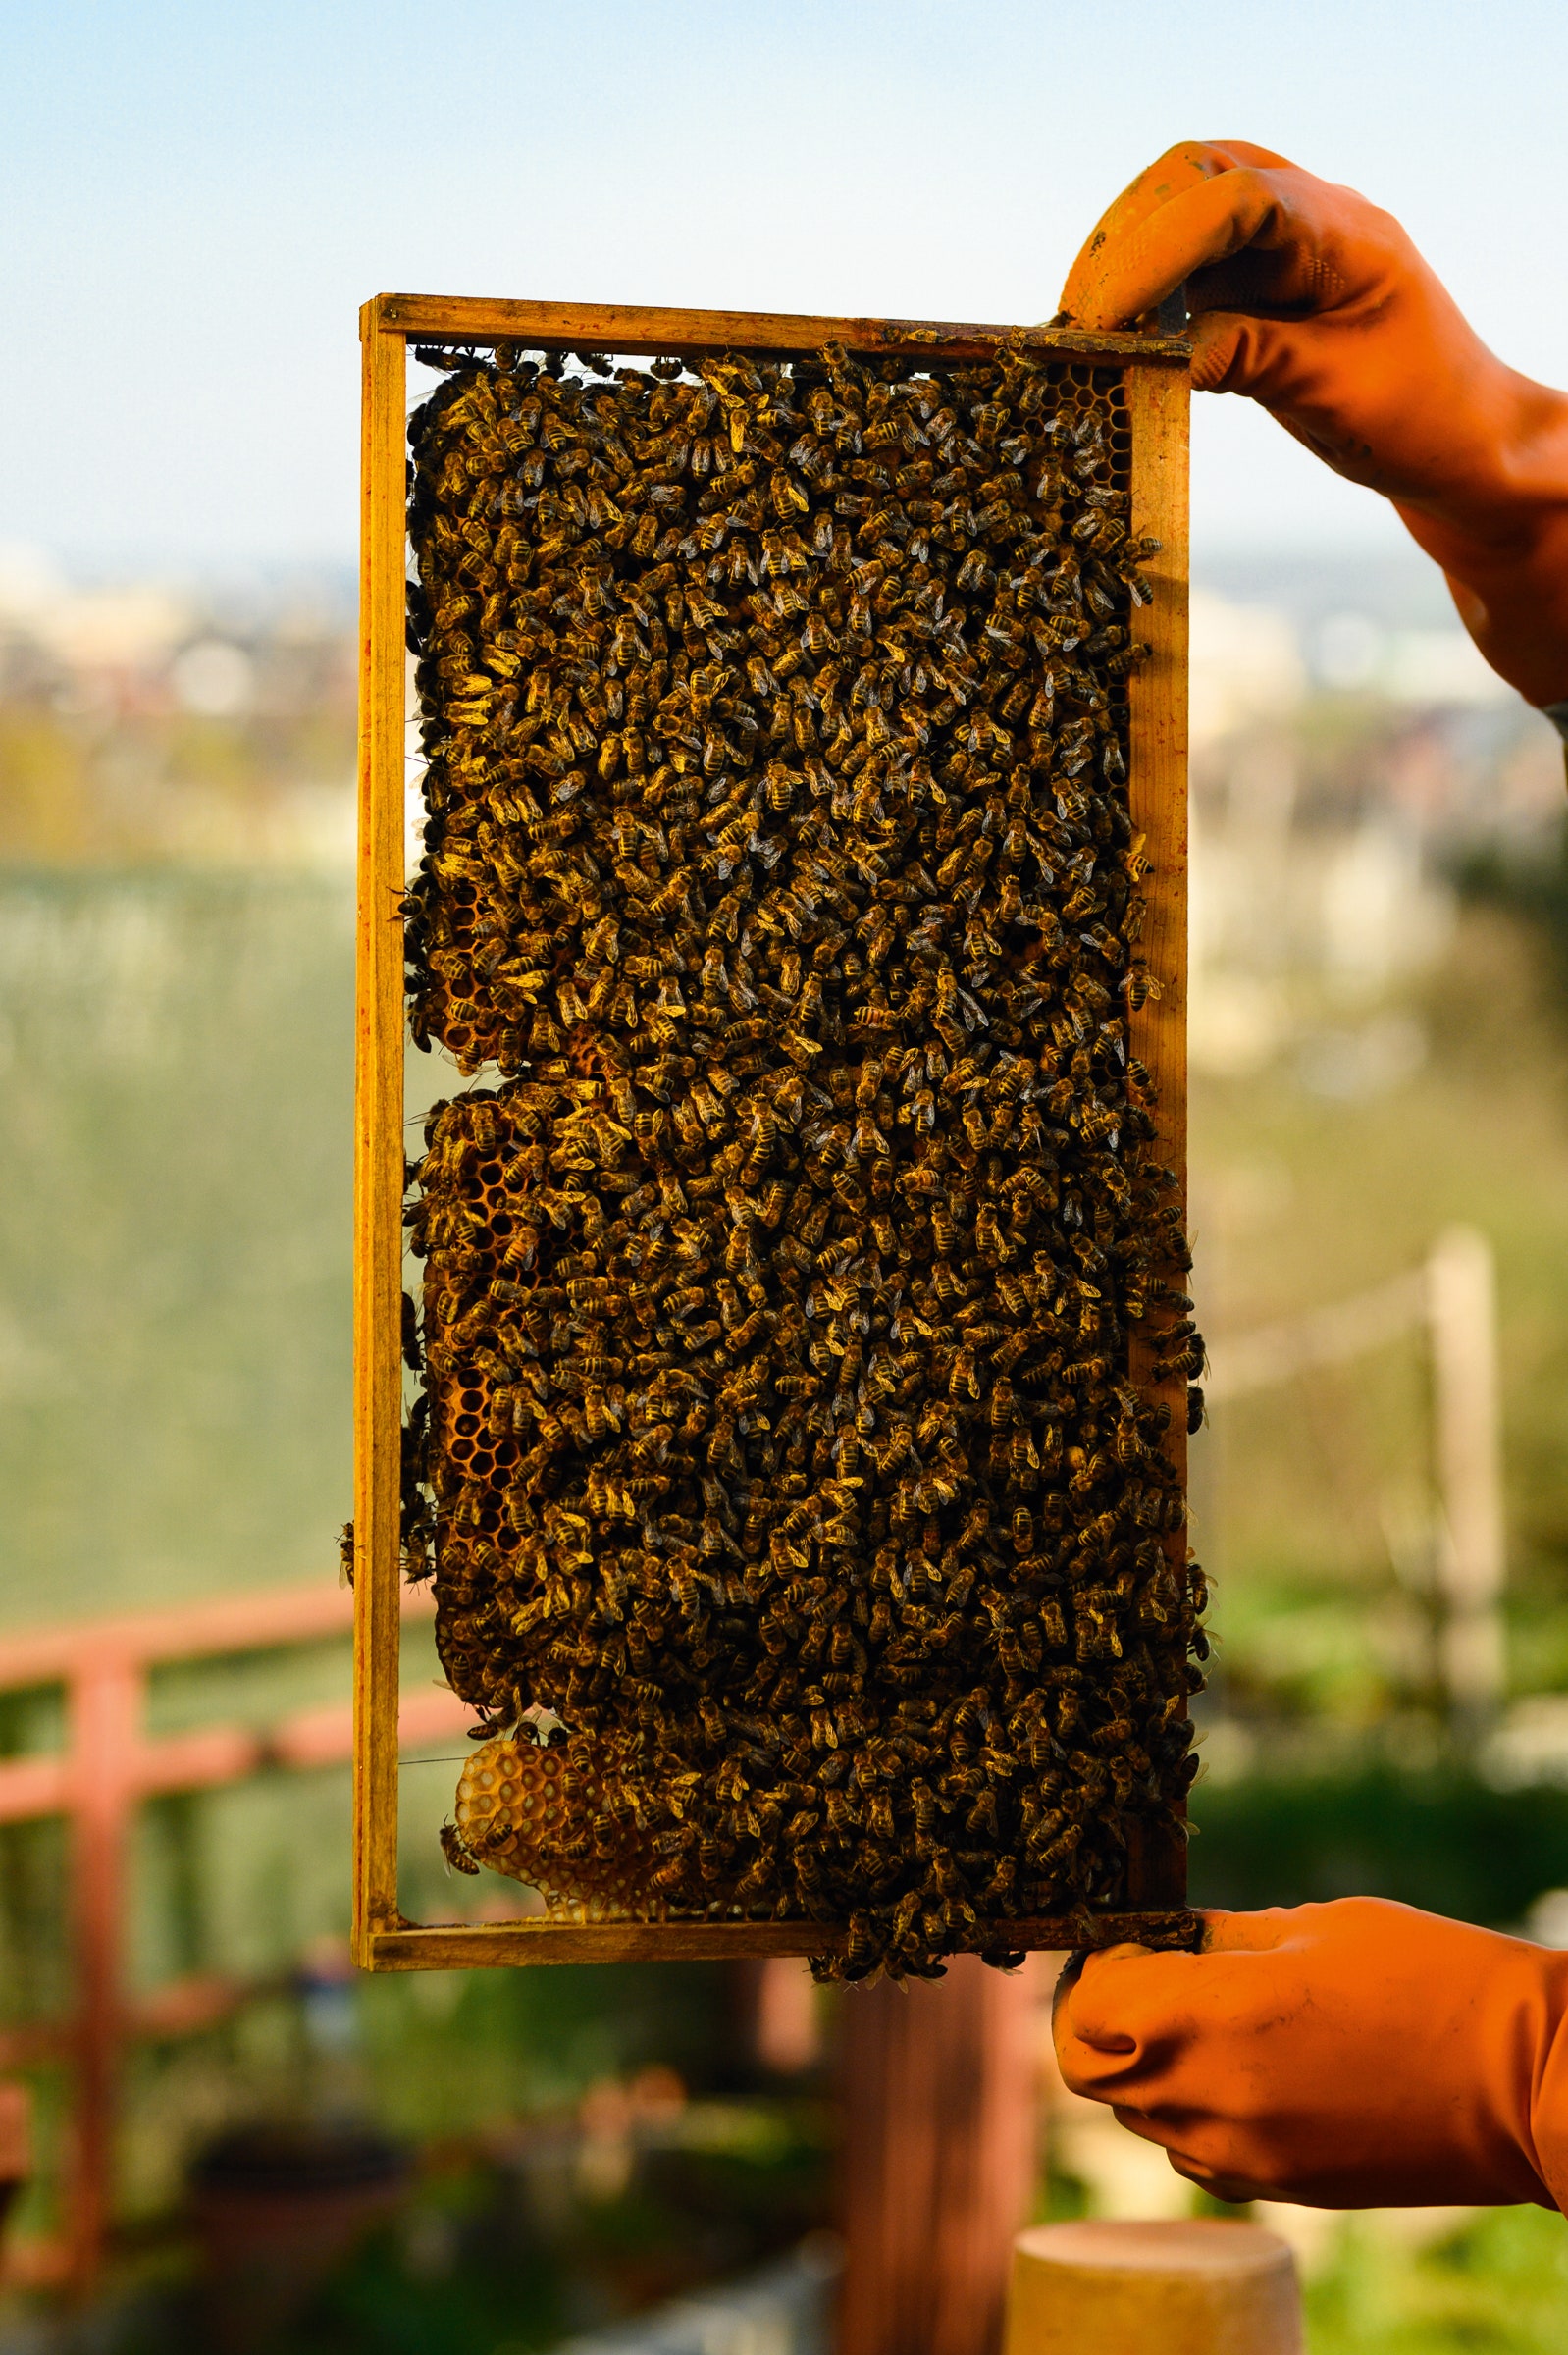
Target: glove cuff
{"points": [[1548, 2095]]}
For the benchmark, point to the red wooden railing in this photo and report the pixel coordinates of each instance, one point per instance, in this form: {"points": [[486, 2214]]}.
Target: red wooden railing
{"points": [[108, 1766]]}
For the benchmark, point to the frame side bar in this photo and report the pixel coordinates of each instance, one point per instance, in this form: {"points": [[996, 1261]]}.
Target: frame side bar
{"points": [[1160, 403], [379, 1137], [633, 327]]}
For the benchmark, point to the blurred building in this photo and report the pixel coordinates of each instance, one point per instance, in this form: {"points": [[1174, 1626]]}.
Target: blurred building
{"points": [[1342, 764], [208, 722]]}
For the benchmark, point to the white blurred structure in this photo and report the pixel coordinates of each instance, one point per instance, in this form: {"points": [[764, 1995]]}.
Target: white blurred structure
{"points": [[1353, 651], [1338, 759], [214, 677], [1244, 666], [144, 721], [139, 646], [782, 2309]]}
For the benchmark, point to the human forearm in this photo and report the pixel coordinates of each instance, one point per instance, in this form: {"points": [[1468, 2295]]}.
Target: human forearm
{"points": [[1501, 539]]}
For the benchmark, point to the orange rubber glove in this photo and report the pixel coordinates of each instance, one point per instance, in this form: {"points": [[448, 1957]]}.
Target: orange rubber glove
{"points": [[1353, 2054], [1315, 304]]}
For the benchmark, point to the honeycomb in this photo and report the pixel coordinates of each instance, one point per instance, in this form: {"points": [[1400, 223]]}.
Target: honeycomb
{"points": [[798, 1533], [521, 1811]]}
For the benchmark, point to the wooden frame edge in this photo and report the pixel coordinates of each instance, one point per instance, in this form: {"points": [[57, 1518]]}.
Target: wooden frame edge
{"points": [[1157, 395], [1158, 791], [379, 1131], [1160, 402], [637, 326], [462, 1946]]}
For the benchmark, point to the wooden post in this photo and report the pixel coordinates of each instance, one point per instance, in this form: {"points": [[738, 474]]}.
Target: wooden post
{"points": [[1204, 2287], [938, 2158], [105, 1724], [1462, 1312]]}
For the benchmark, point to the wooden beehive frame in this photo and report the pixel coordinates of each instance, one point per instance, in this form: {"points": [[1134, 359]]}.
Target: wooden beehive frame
{"points": [[1155, 374]]}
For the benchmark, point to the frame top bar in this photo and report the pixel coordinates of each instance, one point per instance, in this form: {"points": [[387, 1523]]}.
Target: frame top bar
{"points": [[632, 327]]}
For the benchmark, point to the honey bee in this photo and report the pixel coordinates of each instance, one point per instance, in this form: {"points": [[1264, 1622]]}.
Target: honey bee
{"points": [[602, 1423]]}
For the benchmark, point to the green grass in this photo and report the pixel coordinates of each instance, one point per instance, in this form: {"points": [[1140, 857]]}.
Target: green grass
{"points": [[174, 1243], [1497, 2287], [1309, 1499]]}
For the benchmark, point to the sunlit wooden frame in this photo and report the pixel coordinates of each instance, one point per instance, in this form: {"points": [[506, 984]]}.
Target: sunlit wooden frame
{"points": [[1154, 375]]}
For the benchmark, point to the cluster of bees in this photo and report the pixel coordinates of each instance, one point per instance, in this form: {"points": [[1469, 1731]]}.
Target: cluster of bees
{"points": [[797, 1531]]}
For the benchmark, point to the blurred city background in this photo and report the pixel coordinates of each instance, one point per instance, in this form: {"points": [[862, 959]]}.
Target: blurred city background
{"points": [[1380, 1099]]}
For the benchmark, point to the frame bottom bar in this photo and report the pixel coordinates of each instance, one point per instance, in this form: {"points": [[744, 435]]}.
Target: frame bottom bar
{"points": [[488, 1945]]}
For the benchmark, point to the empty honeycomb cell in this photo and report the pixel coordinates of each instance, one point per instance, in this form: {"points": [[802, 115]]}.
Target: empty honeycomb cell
{"points": [[778, 1438]]}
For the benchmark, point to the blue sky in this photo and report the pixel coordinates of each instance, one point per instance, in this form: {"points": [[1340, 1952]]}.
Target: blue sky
{"points": [[195, 200]]}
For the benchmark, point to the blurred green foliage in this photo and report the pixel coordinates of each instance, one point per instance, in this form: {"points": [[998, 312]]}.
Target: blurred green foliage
{"points": [[1443, 1839], [1527, 881], [175, 1053], [506, 2245], [1497, 2287], [1312, 1501], [105, 787]]}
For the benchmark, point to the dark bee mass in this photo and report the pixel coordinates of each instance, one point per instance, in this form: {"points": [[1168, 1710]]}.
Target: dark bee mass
{"points": [[778, 1445]]}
